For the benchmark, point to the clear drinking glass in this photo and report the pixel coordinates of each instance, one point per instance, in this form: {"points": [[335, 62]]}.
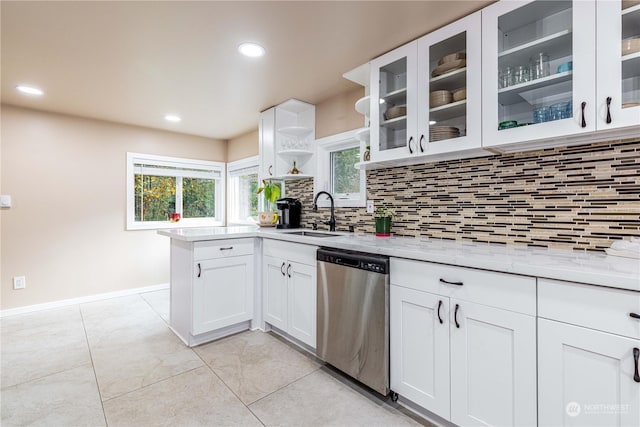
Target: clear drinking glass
{"points": [[540, 67], [507, 77], [521, 74]]}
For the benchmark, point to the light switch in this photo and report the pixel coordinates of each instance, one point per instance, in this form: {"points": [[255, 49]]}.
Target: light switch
{"points": [[5, 201]]}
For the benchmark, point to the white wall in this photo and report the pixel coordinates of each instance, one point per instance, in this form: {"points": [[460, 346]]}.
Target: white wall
{"points": [[66, 229]]}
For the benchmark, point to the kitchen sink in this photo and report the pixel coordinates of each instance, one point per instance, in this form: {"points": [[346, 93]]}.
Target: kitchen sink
{"points": [[311, 233]]}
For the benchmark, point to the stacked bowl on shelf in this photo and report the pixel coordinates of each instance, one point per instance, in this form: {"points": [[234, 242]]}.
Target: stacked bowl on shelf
{"points": [[447, 64], [440, 97], [631, 45], [450, 62]]}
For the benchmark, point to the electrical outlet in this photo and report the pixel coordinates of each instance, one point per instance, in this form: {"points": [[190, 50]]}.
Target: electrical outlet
{"points": [[19, 282], [369, 206]]}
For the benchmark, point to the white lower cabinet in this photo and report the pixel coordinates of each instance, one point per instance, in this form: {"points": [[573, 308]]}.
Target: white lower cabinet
{"points": [[289, 289], [212, 288], [493, 366], [274, 291], [222, 293], [459, 348], [586, 376], [420, 348]]}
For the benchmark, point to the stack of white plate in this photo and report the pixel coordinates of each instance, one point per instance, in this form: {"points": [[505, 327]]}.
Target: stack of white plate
{"points": [[438, 133]]}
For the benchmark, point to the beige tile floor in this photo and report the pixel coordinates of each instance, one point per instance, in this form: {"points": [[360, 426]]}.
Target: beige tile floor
{"points": [[115, 362]]}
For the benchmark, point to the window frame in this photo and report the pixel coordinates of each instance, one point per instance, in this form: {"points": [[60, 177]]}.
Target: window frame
{"points": [[252, 163], [322, 180], [204, 165]]}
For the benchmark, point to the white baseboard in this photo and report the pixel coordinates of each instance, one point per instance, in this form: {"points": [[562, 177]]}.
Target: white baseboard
{"points": [[81, 300]]}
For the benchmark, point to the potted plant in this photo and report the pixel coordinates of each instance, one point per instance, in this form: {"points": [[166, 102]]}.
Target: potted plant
{"points": [[271, 192], [384, 217]]}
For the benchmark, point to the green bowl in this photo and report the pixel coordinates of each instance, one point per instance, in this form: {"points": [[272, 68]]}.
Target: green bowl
{"points": [[508, 124]]}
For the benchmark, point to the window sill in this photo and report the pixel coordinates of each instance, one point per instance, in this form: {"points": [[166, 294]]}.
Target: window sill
{"points": [[163, 225]]}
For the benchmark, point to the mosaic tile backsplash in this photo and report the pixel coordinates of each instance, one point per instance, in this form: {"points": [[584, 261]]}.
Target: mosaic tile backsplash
{"points": [[580, 197]]}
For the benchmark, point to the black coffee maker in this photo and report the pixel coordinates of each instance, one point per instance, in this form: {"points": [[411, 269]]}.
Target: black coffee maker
{"points": [[289, 211]]}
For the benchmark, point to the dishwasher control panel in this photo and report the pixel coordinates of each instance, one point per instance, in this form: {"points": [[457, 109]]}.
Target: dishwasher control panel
{"points": [[360, 260]]}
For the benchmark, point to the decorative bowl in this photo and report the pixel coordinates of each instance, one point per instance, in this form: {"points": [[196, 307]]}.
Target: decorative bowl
{"points": [[397, 111], [565, 66], [452, 57], [631, 45], [626, 4], [459, 95]]}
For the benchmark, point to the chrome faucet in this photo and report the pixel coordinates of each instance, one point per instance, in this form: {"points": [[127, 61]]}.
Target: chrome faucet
{"points": [[332, 220]]}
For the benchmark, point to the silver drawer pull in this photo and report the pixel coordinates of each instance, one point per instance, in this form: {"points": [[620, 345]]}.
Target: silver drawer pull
{"points": [[226, 249]]}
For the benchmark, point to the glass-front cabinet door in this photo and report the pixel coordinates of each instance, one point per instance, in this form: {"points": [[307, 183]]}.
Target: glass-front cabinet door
{"points": [[618, 26], [393, 104], [538, 70], [449, 88]]}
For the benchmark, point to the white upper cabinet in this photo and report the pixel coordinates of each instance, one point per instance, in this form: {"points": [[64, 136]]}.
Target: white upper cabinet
{"points": [[267, 148], [538, 70], [287, 141], [449, 88], [393, 104], [426, 95], [618, 89]]}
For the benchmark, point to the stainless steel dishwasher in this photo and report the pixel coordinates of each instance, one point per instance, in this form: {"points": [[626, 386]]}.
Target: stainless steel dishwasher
{"points": [[353, 315]]}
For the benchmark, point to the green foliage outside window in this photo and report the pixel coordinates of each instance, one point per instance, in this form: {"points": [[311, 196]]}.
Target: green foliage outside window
{"points": [[346, 178], [198, 198], [155, 197], [250, 182]]}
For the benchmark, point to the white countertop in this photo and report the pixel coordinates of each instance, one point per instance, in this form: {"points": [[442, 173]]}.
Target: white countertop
{"points": [[560, 264]]}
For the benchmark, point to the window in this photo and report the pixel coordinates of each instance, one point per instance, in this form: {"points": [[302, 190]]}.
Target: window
{"points": [[158, 187], [345, 178], [337, 174], [242, 181]]}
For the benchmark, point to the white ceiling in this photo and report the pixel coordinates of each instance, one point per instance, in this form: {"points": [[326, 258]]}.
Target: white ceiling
{"points": [[134, 62]]}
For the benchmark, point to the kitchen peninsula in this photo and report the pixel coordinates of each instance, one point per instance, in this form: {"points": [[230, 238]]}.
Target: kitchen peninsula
{"points": [[513, 312]]}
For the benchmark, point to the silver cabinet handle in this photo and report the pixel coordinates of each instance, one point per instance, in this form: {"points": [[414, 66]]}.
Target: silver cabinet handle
{"points": [[289, 270], [270, 170], [282, 267]]}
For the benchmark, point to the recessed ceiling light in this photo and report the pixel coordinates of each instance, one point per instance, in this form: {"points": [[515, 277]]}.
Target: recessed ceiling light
{"points": [[432, 122], [251, 50], [172, 118], [29, 90], [381, 101]]}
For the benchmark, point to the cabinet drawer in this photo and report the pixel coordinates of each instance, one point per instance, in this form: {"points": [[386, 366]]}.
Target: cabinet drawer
{"points": [[501, 290], [213, 249], [305, 254], [604, 309]]}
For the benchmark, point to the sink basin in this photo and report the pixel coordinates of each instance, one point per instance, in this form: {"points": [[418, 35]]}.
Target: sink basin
{"points": [[312, 233]]}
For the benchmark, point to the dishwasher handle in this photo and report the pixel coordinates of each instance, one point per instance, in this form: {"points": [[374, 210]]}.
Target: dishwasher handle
{"points": [[349, 262]]}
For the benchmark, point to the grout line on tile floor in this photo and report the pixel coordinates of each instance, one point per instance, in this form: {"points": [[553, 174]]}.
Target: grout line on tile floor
{"points": [[153, 383], [152, 308], [93, 366], [286, 385], [227, 386], [383, 402]]}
